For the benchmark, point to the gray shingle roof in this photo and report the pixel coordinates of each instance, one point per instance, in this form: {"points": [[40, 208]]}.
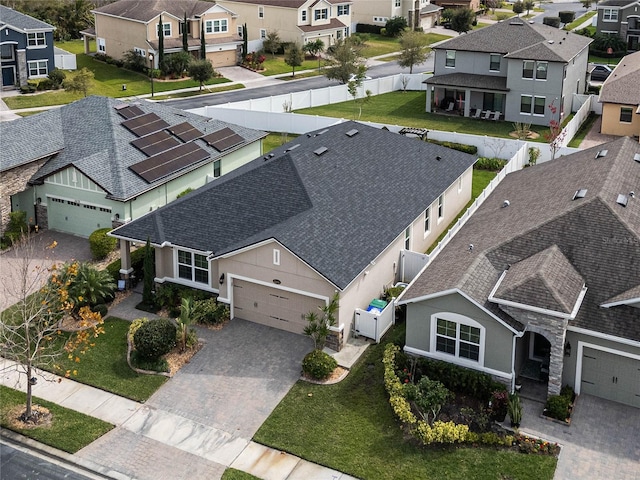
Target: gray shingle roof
{"points": [[517, 39], [8, 16], [337, 211], [92, 139], [464, 80], [146, 10], [615, 3], [600, 238], [623, 85], [333, 24]]}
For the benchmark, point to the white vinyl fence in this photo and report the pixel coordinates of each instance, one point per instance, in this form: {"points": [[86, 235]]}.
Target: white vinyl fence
{"points": [[63, 59], [375, 325], [411, 263]]}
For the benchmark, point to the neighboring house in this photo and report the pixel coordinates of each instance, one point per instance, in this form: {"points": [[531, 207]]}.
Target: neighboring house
{"points": [[26, 48], [545, 281], [133, 25], [100, 161], [620, 17], [297, 21], [330, 211], [453, 4], [620, 98], [419, 13], [522, 71]]}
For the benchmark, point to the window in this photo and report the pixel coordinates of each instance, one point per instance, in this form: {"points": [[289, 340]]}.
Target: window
{"points": [[276, 256], [440, 207], [407, 238], [6, 52], [427, 221], [320, 14], [380, 19], [193, 267], [216, 169], [610, 15], [459, 184], [181, 27], [339, 34], [216, 26], [36, 39], [37, 68], [626, 115], [398, 3], [263, 33], [101, 45], [240, 32], [166, 29], [538, 105], [303, 16], [451, 58], [459, 339], [494, 62], [541, 70], [527, 68], [140, 52], [343, 10], [260, 12], [525, 104]]}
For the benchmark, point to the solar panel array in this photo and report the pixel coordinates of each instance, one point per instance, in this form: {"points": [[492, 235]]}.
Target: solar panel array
{"points": [[129, 111], [145, 124], [185, 131], [156, 142], [223, 139], [169, 161]]}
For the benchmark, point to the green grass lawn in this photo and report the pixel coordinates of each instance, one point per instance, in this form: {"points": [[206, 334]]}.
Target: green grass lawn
{"points": [[407, 109], [612, 61], [580, 20], [480, 25], [69, 430], [274, 140], [378, 45], [105, 365], [276, 65], [582, 132], [205, 91], [233, 474], [350, 427]]}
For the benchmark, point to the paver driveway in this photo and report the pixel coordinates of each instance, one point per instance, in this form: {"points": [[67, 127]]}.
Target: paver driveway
{"points": [[237, 379]]}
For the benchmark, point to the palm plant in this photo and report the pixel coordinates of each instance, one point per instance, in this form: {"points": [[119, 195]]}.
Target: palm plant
{"points": [[319, 325], [90, 286], [187, 315]]}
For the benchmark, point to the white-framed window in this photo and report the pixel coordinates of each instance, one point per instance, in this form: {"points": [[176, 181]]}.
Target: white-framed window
{"points": [[407, 238], [263, 33], [343, 10], [538, 105], [440, 207], [610, 15], [240, 32], [276, 256], [260, 12], [527, 68], [321, 14], [217, 26], [454, 335], [626, 115], [398, 3], [37, 68], [216, 169], [541, 70], [303, 16], [450, 60], [166, 29], [102, 46], [36, 39], [140, 51], [427, 221], [193, 267], [494, 62], [339, 34], [6, 52], [525, 104]]}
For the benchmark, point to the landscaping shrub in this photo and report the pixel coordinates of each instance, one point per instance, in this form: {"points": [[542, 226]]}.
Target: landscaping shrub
{"points": [[184, 192], [101, 244], [133, 328], [567, 16], [318, 364], [134, 61], [366, 28], [57, 76], [137, 262], [17, 226], [557, 407], [442, 432], [472, 149], [155, 338], [552, 21], [101, 308], [170, 295], [491, 164], [210, 311], [88, 286], [568, 393], [395, 26]]}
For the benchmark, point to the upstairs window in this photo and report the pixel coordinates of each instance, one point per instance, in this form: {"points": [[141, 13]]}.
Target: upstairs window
{"points": [[610, 15], [321, 14], [440, 207], [260, 12], [343, 10], [541, 70], [451, 59], [303, 16], [427, 221], [398, 3], [166, 29], [407, 238], [626, 115], [527, 68], [494, 62], [36, 39], [181, 27]]}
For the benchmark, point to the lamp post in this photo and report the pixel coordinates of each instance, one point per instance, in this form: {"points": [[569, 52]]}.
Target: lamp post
{"points": [[151, 71]]}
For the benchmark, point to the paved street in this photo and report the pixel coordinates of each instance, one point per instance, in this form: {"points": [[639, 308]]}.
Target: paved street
{"points": [[552, 9]]}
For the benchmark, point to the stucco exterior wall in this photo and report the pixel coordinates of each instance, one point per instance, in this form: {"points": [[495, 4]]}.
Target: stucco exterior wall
{"points": [[11, 182], [611, 124], [121, 35], [364, 11], [282, 20]]}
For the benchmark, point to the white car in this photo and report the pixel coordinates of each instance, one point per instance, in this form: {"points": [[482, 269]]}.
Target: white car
{"points": [[354, 78]]}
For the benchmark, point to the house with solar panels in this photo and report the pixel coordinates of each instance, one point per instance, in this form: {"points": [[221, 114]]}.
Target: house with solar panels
{"points": [[100, 162], [334, 210]]}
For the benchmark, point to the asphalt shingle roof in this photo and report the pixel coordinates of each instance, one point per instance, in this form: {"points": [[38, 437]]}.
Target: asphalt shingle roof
{"points": [[464, 80], [336, 210], [599, 237], [623, 85], [9, 16], [147, 10], [91, 138], [517, 39]]}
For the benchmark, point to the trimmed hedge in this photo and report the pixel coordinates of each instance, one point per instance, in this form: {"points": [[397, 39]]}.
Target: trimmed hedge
{"points": [[471, 149], [366, 28], [491, 164], [101, 244], [155, 338], [552, 21], [318, 364]]}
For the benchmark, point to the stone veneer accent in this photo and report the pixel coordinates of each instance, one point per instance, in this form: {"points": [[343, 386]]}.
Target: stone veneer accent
{"points": [[335, 340], [42, 216], [21, 61], [554, 330], [13, 181]]}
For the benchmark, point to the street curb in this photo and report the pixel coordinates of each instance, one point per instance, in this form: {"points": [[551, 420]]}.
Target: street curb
{"points": [[12, 438]]}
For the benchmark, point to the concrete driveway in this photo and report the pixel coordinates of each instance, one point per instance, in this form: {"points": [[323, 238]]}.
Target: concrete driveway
{"points": [[237, 379]]}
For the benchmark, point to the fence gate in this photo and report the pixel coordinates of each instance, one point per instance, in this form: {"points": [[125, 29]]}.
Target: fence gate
{"points": [[410, 264]]}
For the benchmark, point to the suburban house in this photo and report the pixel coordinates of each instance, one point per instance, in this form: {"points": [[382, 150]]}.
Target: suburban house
{"points": [[419, 13], [620, 98], [100, 162], [26, 48], [453, 4], [133, 25], [512, 70], [296, 21], [324, 213], [543, 282], [620, 17]]}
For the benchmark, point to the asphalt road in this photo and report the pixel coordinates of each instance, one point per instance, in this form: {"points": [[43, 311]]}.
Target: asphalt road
{"points": [[552, 9]]}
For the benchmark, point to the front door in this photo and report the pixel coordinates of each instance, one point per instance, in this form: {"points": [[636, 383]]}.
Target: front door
{"points": [[8, 76]]}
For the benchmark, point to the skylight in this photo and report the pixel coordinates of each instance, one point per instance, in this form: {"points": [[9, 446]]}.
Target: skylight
{"points": [[636, 157], [602, 153], [580, 193], [622, 200]]}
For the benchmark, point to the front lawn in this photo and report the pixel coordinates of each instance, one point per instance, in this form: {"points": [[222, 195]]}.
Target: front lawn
{"points": [[580, 20], [105, 365], [276, 65], [350, 427], [69, 430]]}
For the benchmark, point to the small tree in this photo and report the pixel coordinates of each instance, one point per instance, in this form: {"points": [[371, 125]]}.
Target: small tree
{"points": [[518, 7], [185, 35], [81, 81], [201, 71], [272, 42], [429, 396], [586, 4], [556, 134], [353, 86], [346, 60], [319, 323], [177, 63], [245, 41], [134, 61], [161, 64], [414, 49], [567, 16], [294, 57], [149, 274], [395, 26], [462, 20], [529, 5], [203, 43]]}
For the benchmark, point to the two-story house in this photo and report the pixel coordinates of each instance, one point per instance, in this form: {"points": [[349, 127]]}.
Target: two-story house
{"points": [[525, 72], [296, 21], [26, 47], [621, 17], [419, 13], [133, 25]]}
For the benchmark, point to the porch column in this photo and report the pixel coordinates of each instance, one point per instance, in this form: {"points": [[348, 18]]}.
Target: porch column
{"points": [[467, 102], [556, 362], [428, 106], [125, 263], [85, 40]]}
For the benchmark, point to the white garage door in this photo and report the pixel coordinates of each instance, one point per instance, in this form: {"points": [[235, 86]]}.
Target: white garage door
{"points": [[611, 376], [77, 218], [271, 306]]}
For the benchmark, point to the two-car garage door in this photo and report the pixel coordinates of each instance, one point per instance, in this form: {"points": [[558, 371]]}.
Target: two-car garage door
{"points": [[611, 376], [272, 306], [74, 217]]}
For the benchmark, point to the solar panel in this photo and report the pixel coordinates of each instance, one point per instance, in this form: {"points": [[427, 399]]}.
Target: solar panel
{"points": [[145, 124], [130, 111], [223, 139], [155, 143], [169, 161], [185, 132]]}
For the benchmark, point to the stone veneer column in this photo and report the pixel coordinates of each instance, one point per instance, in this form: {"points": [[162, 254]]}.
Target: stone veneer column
{"points": [[21, 62]]}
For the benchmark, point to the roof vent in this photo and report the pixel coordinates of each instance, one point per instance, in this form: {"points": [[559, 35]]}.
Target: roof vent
{"points": [[580, 193], [550, 41], [622, 200], [320, 133], [438, 158], [506, 203], [632, 194], [602, 153], [320, 151], [636, 157], [269, 156], [471, 247], [293, 147], [351, 132]]}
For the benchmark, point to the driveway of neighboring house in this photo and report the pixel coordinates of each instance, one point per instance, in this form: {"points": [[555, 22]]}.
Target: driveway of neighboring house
{"points": [[237, 379], [12, 262]]}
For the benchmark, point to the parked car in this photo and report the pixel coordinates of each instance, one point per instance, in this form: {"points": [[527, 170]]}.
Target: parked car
{"points": [[354, 77], [600, 73]]}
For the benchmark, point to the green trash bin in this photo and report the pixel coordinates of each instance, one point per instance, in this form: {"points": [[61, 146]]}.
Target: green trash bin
{"points": [[376, 302]]}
